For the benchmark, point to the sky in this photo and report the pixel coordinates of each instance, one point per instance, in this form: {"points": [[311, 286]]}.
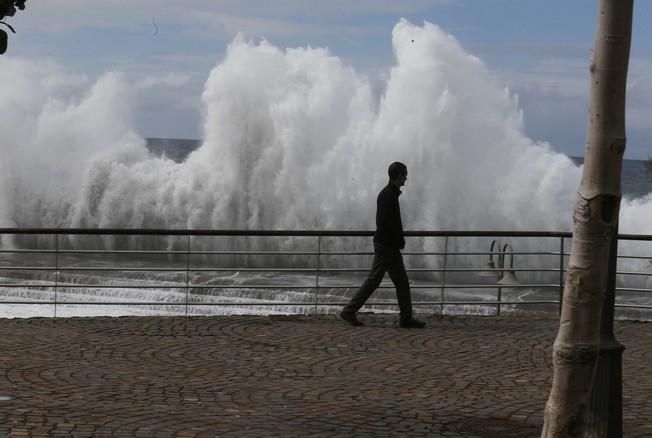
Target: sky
{"points": [[540, 51]]}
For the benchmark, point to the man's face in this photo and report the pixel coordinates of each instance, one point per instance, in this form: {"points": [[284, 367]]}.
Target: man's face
{"points": [[400, 181]]}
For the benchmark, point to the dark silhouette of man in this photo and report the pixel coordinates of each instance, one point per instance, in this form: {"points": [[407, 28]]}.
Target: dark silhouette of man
{"points": [[388, 243]]}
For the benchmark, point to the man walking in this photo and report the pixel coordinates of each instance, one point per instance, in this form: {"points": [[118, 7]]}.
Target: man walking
{"points": [[388, 243]]}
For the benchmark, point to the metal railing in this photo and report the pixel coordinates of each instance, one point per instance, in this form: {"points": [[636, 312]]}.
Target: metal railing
{"points": [[305, 271]]}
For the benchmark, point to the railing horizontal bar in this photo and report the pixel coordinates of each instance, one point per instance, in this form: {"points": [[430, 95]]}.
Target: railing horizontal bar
{"points": [[256, 253], [480, 253], [643, 274], [366, 253], [382, 286], [181, 287], [634, 306], [287, 253], [631, 289], [90, 268], [435, 253], [156, 303], [228, 269], [21, 285], [298, 270], [261, 253], [89, 286], [27, 251], [480, 270], [271, 303], [171, 252], [125, 269], [280, 303], [487, 286], [267, 286], [90, 251], [155, 252], [442, 270], [27, 268], [447, 303], [453, 286], [293, 233], [252, 253], [275, 303], [645, 237], [356, 253], [280, 233]]}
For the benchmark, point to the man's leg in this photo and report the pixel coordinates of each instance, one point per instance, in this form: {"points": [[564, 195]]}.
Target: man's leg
{"points": [[396, 271], [376, 274], [399, 277]]}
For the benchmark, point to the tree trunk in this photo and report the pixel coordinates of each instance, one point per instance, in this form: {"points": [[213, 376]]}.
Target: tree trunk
{"points": [[595, 218]]}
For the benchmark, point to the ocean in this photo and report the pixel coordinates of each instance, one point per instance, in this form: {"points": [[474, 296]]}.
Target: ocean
{"points": [[636, 180]]}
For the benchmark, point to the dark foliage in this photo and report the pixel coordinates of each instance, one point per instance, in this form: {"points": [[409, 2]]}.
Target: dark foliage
{"points": [[8, 8]]}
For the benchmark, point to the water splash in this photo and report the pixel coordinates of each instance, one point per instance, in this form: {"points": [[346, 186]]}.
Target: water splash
{"points": [[293, 139]]}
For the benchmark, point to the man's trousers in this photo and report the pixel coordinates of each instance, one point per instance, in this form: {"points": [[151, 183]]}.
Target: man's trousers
{"points": [[385, 260]]}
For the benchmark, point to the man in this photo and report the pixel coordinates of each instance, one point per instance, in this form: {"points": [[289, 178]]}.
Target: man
{"points": [[388, 243]]}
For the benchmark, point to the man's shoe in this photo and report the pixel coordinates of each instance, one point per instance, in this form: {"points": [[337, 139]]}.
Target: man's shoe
{"points": [[411, 323], [351, 318]]}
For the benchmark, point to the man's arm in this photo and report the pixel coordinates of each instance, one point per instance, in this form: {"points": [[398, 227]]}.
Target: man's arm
{"points": [[399, 226], [388, 219]]}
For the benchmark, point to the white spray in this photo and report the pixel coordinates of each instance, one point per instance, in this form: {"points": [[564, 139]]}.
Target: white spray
{"points": [[293, 139]]}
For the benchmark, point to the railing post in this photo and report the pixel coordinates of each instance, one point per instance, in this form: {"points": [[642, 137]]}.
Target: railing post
{"points": [[501, 273], [317, 273], [187, 272], [561, 272], [443, 279], [56, 271]]}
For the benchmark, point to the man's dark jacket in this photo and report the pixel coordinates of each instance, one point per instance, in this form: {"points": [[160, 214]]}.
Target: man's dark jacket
{"points": [[389, 228]]}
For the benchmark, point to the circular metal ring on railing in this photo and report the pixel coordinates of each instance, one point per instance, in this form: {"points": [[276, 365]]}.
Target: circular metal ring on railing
{"points": [[490, 269], [508, 276]]}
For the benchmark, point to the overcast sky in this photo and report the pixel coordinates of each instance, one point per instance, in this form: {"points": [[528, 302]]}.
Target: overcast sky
{"points": [[539, 49]]}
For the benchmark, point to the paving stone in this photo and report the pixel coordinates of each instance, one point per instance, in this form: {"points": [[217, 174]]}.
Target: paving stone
{"points": [[303, 376]]}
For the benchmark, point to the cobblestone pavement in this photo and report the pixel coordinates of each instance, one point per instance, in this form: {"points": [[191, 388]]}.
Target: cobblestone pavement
{"points": [[291, 377]]}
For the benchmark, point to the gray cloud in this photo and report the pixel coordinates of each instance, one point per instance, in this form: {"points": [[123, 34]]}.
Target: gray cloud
{"points": [[555, 99]]}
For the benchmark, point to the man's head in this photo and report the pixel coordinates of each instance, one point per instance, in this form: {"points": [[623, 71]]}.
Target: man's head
{"points": [[397, 173]]}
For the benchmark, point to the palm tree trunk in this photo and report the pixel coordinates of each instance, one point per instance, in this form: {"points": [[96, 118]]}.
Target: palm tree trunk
{"points": [[575, 351]]}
